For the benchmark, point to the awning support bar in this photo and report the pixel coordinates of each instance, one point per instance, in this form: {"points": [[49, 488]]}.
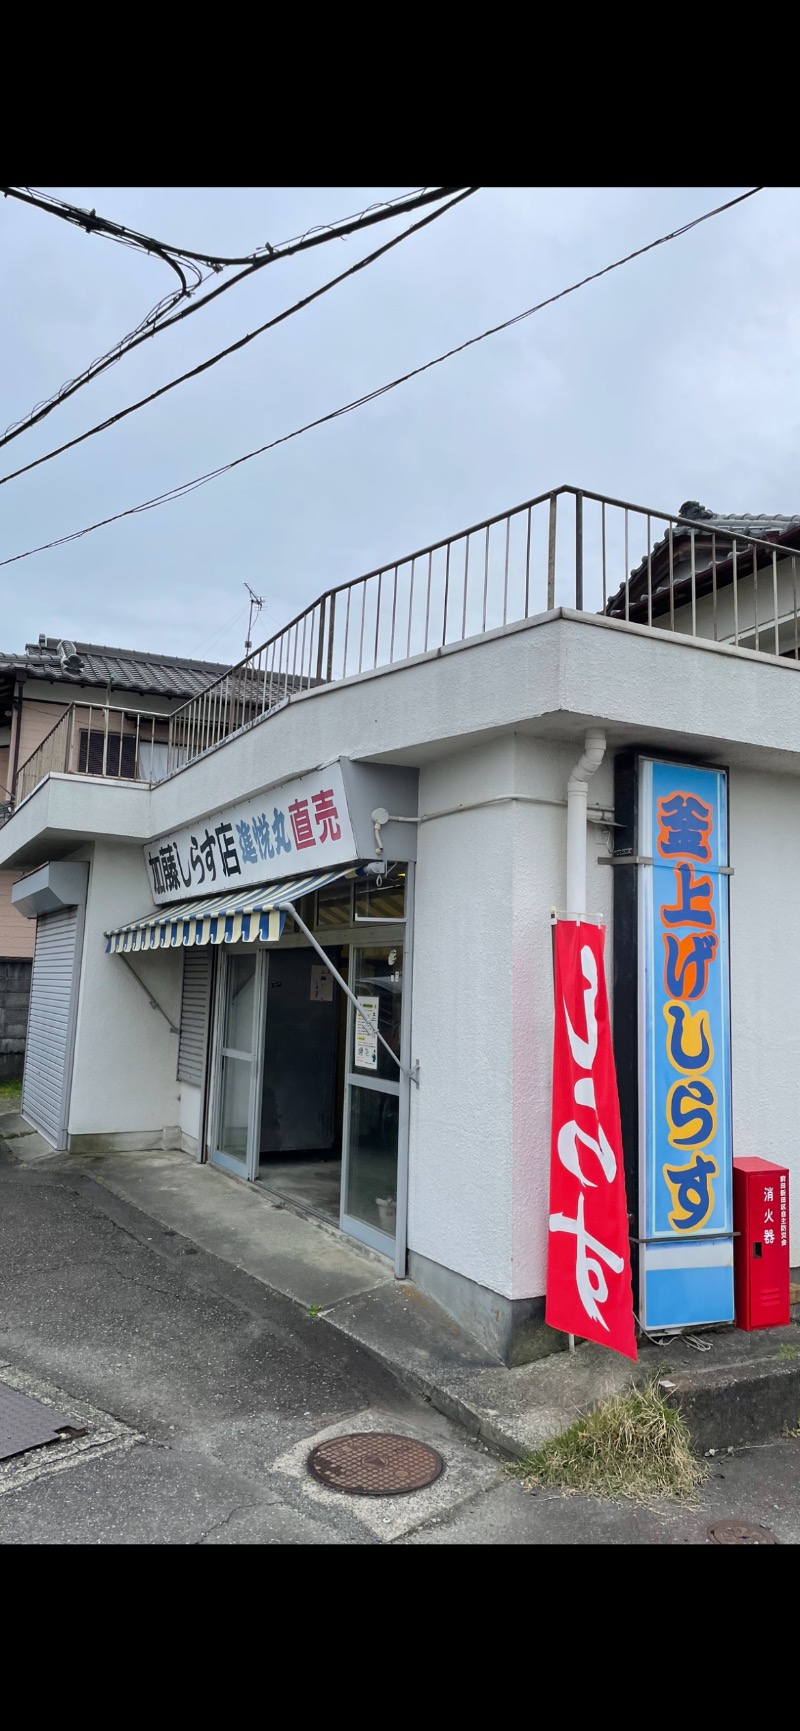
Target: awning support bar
{"points": [[413, 1075], [154, 1005]]}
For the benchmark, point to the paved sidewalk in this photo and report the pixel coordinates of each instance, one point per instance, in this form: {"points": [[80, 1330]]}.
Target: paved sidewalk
{"points": [[741, 1389]]}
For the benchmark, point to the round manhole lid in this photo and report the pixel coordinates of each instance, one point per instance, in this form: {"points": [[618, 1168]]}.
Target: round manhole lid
{"points": [[375, 1464], [740, 1533]]}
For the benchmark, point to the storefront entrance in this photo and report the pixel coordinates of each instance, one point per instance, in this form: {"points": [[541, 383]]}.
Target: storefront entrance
{"points": [[300, 1145], [308, 1091]]}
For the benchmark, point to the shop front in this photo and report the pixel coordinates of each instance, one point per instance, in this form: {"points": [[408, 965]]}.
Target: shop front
{"points": [[295, 1020], [225, 960], [307, 1088]]}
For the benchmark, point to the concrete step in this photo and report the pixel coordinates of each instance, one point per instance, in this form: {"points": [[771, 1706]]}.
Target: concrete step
{"points": [[745, 1389]]}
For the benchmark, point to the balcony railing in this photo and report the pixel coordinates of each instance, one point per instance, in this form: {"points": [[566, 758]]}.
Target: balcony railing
{"points": [[568, 548], [99, 739]]}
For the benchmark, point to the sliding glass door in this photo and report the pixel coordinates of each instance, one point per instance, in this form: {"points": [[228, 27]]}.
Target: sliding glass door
{"points": [[372, 1099], [234, 1144]]}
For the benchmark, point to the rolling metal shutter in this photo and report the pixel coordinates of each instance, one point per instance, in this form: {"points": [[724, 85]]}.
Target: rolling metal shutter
{"points": [[45, 1080], [195, 1004]]}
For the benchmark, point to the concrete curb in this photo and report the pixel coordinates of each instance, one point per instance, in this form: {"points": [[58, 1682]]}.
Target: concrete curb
{"points": [[745, 1388], [734, 1406]]}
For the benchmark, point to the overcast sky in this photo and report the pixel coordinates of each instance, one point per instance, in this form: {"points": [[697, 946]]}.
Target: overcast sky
{"points": [[672, 378]]}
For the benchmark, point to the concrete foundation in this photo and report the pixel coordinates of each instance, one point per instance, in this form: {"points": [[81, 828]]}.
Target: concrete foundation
{"points": [[512, 1329], [126, 1141]]}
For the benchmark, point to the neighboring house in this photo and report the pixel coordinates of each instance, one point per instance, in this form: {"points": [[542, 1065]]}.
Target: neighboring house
{"points": [[704, 575], [74, 705], [315, 948]]}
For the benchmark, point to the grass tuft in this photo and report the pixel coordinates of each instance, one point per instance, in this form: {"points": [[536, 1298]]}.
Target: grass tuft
{"points": [[634, 1445]]}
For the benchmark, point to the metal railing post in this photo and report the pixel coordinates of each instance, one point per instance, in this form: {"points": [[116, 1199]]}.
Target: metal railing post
{"points": [[579, 551], [331, 621], [551, 554], [322, 601]]}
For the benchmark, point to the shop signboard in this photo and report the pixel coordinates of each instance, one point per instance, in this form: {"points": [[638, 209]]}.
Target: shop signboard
{"points": [[313, 823], [685, 1140]]}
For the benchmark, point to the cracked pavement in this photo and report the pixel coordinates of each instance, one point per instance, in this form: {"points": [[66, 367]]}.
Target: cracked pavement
{"points": [[203, 1390]]}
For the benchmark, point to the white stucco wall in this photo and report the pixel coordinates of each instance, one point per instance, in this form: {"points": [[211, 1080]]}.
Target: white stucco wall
{"points": [[765, 988], [66, 809], [460, 1133], [486, 880], [124, 1079], [539, 877], [552, 675], [482, 1023], [482, 1005]]}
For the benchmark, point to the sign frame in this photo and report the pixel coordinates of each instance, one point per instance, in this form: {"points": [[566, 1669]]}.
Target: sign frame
{"points": [[684, 1070], [315, 822]]}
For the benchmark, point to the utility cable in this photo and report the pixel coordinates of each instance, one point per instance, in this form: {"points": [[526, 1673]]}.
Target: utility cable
{"points": [[94, 224], [157, 320], [186, 487], [241, 342]]}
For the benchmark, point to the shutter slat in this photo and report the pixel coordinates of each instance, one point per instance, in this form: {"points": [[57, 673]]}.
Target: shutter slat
{"points": [[48, 1021], [195, 1004]]}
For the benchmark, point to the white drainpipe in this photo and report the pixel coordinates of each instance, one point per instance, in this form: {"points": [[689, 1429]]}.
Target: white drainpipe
{"points": [[577, 800]]}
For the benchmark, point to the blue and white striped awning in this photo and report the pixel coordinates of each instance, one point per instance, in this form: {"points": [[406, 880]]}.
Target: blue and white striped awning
{"points": [[255, 913]]}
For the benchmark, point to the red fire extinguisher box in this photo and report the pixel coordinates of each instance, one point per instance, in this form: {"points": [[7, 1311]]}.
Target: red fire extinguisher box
{"points": [[761, 1247]]}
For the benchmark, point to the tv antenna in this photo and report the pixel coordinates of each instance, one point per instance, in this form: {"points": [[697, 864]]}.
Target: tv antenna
{"points": [[256, 604]]}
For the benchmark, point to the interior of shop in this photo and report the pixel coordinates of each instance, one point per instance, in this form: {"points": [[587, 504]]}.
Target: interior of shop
{"points": [[325, 1074], [300, 1151]]}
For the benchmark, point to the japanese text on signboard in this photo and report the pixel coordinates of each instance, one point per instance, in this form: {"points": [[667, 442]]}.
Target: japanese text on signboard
{"points": [[588, 1263], [690, 946], [687, 1072], [292, 830], [216, 854], [775, 1215]]}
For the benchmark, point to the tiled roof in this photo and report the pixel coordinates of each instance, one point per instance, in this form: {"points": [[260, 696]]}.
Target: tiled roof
{"points": [[758, 526], [127, 669]]}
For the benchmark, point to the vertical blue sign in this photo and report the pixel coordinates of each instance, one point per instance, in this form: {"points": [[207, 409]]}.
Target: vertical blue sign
{"points": [[685, 1142]]}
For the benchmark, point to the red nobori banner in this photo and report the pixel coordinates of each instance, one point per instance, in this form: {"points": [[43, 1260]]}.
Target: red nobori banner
{"points": [[588, 1261]]}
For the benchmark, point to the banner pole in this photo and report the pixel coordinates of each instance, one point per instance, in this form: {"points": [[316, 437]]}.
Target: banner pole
{"points": [[553, 918]]}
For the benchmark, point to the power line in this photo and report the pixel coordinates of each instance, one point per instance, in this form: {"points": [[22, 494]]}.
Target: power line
{"points": [[94, 224], [241, 343], [187, 487], [157, 320]]}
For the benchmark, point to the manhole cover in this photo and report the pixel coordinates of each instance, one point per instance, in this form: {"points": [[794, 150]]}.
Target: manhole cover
{"points": [[740, 1533], [27, 1424], [375, 1464]]}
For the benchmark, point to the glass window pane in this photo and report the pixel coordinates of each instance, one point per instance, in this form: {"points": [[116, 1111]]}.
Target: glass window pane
{"points": [[240, 1005], [378, 985], [118, 750], [335, 904], [384, 902], [234, 1107], [372, 1159]]}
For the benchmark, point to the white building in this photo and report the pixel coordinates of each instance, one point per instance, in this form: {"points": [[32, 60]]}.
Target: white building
{"points": [[387, 782]]}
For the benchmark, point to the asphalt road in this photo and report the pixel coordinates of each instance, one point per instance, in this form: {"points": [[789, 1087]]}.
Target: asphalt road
{"points": [[201, 1393]]}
